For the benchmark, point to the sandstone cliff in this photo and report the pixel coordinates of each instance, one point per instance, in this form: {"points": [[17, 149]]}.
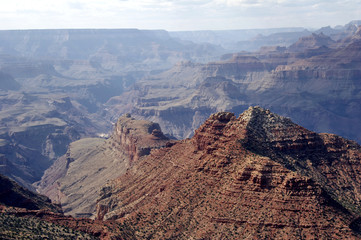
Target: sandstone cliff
{"points": [[75, 179], [255, 176]]}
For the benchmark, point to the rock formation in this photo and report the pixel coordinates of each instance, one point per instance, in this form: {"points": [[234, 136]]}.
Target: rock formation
{"points": [[26, 215], [75, 179], [312, 41], [255, 176], [61, 85]]}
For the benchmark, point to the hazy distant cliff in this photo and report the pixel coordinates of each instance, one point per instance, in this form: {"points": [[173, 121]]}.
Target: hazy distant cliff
{"points": [[315, 81]]}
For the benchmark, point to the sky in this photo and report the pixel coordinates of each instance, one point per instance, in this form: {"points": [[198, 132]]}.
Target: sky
{"points": [[176, 15]]}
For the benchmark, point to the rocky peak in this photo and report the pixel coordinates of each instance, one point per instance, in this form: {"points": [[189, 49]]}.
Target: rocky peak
{"points": [[311, 42], [259, 130], [314, 155], [268, 130]]}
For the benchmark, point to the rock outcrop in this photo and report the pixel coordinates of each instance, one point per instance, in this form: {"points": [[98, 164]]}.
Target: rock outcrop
{"points": [[255, 176], [75, 179], [136, 138]]}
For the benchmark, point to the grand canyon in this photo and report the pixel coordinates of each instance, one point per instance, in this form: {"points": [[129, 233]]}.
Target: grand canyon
{"points": [[153, 134]]}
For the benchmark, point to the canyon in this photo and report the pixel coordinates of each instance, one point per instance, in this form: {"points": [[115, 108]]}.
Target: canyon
{"points": [[135, 132], [59, 86], [315, 81], [257, 175]]}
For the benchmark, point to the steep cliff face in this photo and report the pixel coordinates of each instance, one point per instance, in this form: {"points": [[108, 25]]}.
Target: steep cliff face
{"points": [[75, 179], [256, 176], [136, 138]]}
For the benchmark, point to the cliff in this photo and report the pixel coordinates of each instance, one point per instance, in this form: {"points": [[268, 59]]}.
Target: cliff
{"points": [[256, 176], [75, 179], [315, 81], [136, 138]]}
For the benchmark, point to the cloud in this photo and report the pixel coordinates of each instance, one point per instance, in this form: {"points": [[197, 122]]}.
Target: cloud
{"points": [[176, 14]]}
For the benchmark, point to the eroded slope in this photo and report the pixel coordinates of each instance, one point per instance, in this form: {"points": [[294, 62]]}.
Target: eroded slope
{"points": [[75, 179]]}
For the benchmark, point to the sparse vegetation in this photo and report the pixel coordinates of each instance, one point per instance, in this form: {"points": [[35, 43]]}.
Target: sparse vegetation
{"points": [[13, 227]]}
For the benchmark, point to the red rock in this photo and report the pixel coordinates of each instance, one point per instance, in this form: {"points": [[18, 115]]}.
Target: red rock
{"points": [[255, 176]]}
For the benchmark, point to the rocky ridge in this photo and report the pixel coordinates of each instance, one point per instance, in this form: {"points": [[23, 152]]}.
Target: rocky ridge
{"points": [[75, 179], [258, 175], [27, 215]]}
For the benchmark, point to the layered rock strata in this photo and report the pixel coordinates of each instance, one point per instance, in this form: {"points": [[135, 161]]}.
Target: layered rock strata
{"points": [[255, 176], [316, 81], [27, 215]]}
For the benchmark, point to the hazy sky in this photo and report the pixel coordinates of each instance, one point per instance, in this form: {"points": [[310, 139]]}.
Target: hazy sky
{"points": [[176, 14]]}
